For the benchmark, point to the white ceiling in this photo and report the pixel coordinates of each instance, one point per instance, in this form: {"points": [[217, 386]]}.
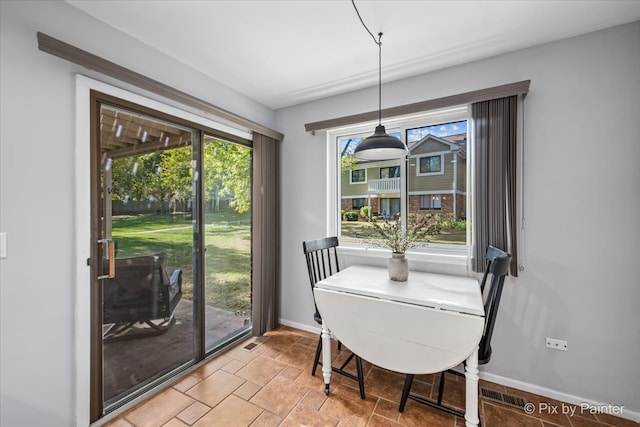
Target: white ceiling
{"points": [[282, 53]]}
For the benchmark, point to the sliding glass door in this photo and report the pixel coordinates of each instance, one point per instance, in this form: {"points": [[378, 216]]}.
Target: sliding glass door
{"points": [[171, 260], [147, 186], [227, 235]]}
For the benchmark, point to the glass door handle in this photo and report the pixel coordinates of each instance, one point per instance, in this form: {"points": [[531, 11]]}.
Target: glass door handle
{"points": [[109, 248]]}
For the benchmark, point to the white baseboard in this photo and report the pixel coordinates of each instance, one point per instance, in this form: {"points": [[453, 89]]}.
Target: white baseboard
{"points": [[557, 395], [301, 326]]}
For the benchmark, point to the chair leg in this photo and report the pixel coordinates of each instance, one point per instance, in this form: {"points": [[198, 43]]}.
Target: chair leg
{"points": [[360, 376], [405, 391], [441, 387], [406, 395], [346, 362], [317, 359]]}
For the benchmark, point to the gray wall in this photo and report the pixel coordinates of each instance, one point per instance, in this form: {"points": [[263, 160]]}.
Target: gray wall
{"points": [[37, 143], [579, 246], [580, 243]]}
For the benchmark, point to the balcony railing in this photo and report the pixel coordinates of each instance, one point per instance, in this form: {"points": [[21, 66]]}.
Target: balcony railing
{"points": [[388, 185]]}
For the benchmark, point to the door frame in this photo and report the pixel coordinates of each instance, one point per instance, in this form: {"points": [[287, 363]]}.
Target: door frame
{"points": [[83, 203]]}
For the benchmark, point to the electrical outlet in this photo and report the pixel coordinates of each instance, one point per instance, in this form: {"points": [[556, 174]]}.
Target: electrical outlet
{"points": [[557, 344]]}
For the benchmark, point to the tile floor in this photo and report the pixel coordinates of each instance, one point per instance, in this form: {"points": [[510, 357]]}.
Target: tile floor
{"points": [[271, 385]]}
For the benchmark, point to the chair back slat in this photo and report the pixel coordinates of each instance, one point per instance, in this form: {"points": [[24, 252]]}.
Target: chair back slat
{"points": [[497, 268], [322, 261]]}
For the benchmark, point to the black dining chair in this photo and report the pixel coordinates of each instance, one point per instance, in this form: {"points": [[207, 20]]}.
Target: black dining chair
{"points": [[322, 262], [497, 266]]}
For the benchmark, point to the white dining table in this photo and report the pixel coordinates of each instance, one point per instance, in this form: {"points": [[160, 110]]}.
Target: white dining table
{"points": [[428, 324]]}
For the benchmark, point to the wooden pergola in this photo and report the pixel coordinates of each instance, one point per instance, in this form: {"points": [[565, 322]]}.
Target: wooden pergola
{"points": [[125, 134]]}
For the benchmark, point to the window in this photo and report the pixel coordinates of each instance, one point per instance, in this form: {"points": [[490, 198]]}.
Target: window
{"points": [[430, 164], [433, 177], [433, 201], [390, 172], [358, 202], [358, 176]]}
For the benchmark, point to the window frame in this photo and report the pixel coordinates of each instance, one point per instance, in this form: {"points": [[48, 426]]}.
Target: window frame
{"points": [[352, 182], [430, 197], [458, 255], [426, 156], [389, 167], [353, 199]]}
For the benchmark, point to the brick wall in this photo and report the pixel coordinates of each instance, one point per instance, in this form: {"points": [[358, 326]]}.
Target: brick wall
{"points": [[414, 206], [347, 205], [447, 205]]}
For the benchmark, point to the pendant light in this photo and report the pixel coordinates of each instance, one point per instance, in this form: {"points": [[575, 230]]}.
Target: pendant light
{"points": [[380, 145]]}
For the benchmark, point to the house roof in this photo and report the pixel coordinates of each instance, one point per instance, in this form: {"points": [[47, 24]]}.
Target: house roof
{"points": [[456, 142]]}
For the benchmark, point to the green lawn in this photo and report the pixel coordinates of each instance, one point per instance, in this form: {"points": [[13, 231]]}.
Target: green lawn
{"points": [[227, 256]]}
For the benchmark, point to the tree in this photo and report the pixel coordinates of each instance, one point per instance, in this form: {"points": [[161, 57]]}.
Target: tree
{"points": [[167, 176], [228, 173]]}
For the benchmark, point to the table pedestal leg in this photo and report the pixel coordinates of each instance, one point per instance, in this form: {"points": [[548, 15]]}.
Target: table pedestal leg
{"points": [[326, 357], [471, 374]]}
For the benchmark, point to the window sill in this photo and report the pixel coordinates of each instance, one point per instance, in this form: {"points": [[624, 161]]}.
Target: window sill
{"points": [[445, 256]]}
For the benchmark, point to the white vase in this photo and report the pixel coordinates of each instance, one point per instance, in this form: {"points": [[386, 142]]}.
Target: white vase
{"points": [[398, 267]]}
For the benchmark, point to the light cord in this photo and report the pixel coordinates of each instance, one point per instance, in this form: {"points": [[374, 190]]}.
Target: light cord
{"points": [[365, 25], [379, 79], [379, 43]]}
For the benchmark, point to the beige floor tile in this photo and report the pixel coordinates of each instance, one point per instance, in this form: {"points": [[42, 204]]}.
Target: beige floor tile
{"points": [[387, 409], [292, 372], [244, 355], [231, 412], [379, 421], [454, 393], [210, 367], [215, 388], [299, 356], [418, 415], [272, 353], [316, 381], [499, 416], [345, 403], [261, 370], [233, 366], [193, 413], [305, 416], [267, 419], [280, 396], [159, 409], [540, 403], [577, 421], [281, 340], [288, 394], [309, 342], [174, 422], [118, 422], [613, 420], [314, 399], [186, 383], [247, 390], [385, 384]]}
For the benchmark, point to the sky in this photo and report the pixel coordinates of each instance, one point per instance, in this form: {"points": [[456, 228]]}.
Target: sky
{"points": [[415, 134], [446, 129]]}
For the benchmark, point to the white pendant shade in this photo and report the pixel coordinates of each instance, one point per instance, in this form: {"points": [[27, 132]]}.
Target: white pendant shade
{"points": [[380, 146]]}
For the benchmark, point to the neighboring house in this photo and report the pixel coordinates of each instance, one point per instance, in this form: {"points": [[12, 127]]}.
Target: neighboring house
{"points": [[437, 180]]}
